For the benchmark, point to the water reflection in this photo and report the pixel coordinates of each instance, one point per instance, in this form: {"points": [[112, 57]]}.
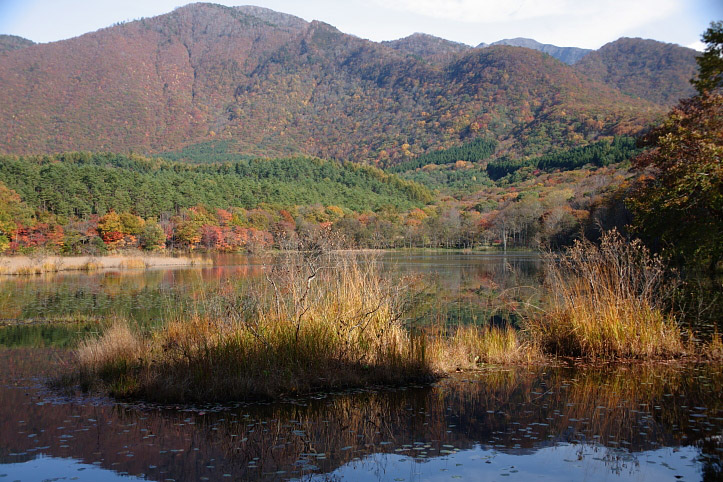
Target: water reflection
{"points": [[151, 296], [597, 423], [140, 295]]}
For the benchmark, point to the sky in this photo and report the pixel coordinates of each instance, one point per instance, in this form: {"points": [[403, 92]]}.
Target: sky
{"points": [[566, 23]]}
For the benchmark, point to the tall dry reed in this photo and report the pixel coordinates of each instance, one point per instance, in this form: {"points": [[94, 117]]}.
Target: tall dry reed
{"points": [[607, 301]]}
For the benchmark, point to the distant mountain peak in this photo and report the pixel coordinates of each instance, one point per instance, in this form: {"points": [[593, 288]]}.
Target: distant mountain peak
{"points": [[13, 42], [272, 16], [649, 69], [428, 47], [569, 55]]}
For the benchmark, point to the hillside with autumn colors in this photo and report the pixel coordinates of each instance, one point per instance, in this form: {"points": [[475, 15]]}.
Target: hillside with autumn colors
{"points": [[273, 85], [648, 69]]}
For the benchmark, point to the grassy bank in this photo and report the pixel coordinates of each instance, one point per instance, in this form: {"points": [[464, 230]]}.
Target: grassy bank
{"points": [[24, 265], [332, 322]]}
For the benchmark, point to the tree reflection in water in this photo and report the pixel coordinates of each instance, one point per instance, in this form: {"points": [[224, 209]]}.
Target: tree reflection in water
{"points": [[618, 420]]}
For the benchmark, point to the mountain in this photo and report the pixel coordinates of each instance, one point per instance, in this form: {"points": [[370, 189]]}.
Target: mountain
{"points": [[655, 71], [13, 42], [428, 47], [275, 85], [569, 55]]}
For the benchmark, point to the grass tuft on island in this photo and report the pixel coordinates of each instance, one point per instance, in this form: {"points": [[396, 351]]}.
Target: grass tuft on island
{"points": [[608, 301], [306, 327]]}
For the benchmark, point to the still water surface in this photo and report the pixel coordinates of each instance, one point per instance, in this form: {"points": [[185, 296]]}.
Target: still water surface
{"points": [[599, 423]]}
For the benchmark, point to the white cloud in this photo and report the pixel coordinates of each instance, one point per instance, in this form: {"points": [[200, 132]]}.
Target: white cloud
{"points": [[487, 11], [582, 23], [697, 45]]}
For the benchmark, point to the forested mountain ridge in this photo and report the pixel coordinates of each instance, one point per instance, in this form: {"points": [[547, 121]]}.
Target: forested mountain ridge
{"points": [[569, 55], [656, 71], [277, 85]]}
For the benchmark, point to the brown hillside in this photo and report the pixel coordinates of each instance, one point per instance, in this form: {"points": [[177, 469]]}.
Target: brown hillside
{"points": [[276, 84], [428, 47]]}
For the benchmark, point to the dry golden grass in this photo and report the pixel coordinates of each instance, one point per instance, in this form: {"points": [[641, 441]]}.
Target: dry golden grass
{"points": [[334, 322], [24, 265], [607, 301], [305, 327], [132, 263], [470, 346], [91, 264], [713, 349], [27, 270], [50, 267], [117, 344]]}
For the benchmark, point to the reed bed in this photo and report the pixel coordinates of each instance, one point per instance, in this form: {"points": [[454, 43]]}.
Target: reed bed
{"points": [[305, 327], [607, 301], [333, 321]]}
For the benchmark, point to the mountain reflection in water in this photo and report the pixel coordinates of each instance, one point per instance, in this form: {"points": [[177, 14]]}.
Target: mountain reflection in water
{"points": [[631, 422]]}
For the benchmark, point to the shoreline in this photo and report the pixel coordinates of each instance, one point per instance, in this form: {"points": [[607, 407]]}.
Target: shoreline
{"points": [[41, 264], [35, 265]]}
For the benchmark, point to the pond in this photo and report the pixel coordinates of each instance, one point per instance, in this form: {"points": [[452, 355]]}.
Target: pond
{"points": [[601, 422], [153, 294]]}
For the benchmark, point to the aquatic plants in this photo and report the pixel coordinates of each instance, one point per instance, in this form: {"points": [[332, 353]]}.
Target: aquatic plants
{"points": [[317, 321]]}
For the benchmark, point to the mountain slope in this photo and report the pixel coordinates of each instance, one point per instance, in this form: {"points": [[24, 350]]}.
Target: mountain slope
{"points": [[276, 85], [648, 69], [568, 55]]}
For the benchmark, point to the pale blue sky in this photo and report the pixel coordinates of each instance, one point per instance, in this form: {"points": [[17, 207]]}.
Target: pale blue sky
{"points": [[578, 23]]}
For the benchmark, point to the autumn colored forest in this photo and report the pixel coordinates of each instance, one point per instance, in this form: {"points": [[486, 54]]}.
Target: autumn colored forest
{"points": [[240, 129], [80, 203]]}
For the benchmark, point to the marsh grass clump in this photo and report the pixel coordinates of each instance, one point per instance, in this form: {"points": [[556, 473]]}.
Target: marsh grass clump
{"points": [[113, 357], [713, 349], [608, 301], [91, 264], [132, 263], [308, 325], [468, 347]]}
